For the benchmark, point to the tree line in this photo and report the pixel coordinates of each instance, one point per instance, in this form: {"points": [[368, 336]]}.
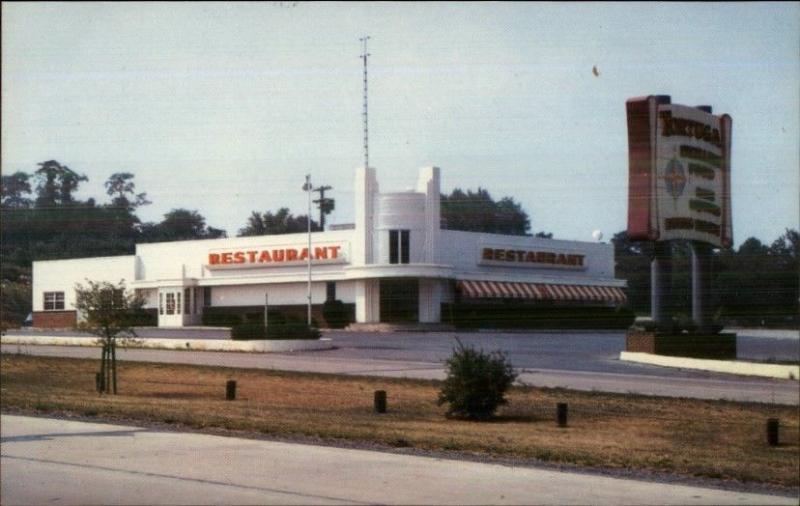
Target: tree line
{"points": [[754, 284]]}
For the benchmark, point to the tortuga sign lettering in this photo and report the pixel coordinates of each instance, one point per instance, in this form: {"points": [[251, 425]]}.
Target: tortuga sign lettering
{"points": [[679, 172], [507, 257], [275, 256]]}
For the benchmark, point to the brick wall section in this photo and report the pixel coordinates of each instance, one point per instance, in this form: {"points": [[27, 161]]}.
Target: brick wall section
{"points": [[54, 319], [712, 346]]}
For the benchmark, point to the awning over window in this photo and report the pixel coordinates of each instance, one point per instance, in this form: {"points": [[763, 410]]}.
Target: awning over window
{"points": [[540, 291]]}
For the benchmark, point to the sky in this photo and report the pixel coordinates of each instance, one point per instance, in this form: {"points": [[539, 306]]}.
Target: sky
{"points": [[224, 107]]}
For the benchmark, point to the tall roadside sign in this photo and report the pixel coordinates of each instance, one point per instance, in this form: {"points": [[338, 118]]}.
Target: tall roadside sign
{"points": [[679, 189]]}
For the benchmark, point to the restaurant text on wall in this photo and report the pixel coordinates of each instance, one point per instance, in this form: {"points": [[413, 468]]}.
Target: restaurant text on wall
{"points": [[512, 257], [274, 256]]}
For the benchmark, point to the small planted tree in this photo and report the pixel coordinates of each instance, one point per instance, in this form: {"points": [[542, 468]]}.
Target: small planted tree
{"points": [[476, 382], [105, 310]]}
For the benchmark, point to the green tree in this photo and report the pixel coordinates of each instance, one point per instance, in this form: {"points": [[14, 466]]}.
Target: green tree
{"points": [[119, 217], [121, 188], [105, 311], [478, 212], [632, 263], [15, 304], [14, 189], [56, 184], [180, 225], [15, 231], [281, 222]]}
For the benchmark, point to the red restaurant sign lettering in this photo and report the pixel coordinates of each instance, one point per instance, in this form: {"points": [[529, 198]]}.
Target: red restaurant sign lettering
{"points": [[527, 258], [281, 256]]}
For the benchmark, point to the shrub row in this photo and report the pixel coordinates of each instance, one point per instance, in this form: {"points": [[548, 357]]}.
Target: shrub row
{"points": [[521, 316], [336, 314], [289, 330]]}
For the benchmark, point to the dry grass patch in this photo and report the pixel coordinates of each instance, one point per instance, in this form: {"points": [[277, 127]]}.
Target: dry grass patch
{"points": [[693, 437]]}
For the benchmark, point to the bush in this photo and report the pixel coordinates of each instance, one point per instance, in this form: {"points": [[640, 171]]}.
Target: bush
{"points": [[142, 318], [336, 314], [476, 382], [291, 330], [221, 319]]}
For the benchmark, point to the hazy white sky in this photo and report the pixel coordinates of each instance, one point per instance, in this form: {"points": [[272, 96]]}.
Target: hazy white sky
{"points": [[224, 107]]}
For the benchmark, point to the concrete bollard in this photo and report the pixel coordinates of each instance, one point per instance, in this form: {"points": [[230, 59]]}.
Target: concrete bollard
{"points": [[561, 414], [773, 426], [230, 390], [380, 401]]}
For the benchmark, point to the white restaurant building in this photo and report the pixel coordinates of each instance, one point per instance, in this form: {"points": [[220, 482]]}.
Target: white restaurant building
{"points": [[394, 265]]}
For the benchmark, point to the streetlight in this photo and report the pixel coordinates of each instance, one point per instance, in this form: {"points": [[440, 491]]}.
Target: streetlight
{"points": [[308, 189]]}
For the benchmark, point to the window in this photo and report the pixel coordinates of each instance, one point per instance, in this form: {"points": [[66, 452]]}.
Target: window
{"points": [[394, 247], [404, 240], [178, 305], [160, 303], [53, 301], [195, 291], [170, 303], [206, 296], [330, 291], [187, 301], [117, 299], [399, 245]]}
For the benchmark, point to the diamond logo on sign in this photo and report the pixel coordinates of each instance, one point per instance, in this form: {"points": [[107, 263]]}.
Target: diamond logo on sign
{"points": [[675, 177]]}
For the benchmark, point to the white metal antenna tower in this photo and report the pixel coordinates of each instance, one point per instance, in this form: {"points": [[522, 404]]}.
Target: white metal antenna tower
{"points": [[364, 56]]}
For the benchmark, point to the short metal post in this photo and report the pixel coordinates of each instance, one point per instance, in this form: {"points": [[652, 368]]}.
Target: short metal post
{"points": [[230, 390], [772, 431], [380, 401], [561, 414]]}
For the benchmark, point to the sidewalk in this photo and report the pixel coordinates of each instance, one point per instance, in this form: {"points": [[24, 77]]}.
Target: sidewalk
{"points": [[90, 463]]}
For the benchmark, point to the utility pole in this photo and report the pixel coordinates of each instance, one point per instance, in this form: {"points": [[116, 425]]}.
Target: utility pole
{"points": [[308, 189], [325, 205]]}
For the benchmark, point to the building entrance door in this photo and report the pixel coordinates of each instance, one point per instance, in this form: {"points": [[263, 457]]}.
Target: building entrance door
{"points": [[170, 307], [399, 300]]}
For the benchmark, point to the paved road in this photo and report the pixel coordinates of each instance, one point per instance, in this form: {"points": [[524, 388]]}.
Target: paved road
{"points": [[569, 350], [658, 380], [575, 351], [47, 461]]}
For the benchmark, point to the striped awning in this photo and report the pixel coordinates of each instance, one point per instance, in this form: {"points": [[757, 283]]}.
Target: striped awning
{"points": [[540, 291]]}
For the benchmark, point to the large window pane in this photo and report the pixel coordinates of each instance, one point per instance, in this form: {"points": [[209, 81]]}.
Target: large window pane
{"points": [[393, 247], [404, 246]]}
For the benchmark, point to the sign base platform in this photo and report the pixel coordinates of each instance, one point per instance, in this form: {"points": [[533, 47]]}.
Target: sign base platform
{"points": [[695, 345]]}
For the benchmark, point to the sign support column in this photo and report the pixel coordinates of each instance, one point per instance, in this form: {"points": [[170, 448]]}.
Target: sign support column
{"points": [[701, 276], [660, 284]]}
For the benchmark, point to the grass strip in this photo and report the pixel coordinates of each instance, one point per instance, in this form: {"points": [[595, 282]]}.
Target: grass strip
{"points": [[717, 439]]}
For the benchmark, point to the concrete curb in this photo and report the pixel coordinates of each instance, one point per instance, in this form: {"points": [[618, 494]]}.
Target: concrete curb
{"points": [[780, 371], [259, 346]]}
